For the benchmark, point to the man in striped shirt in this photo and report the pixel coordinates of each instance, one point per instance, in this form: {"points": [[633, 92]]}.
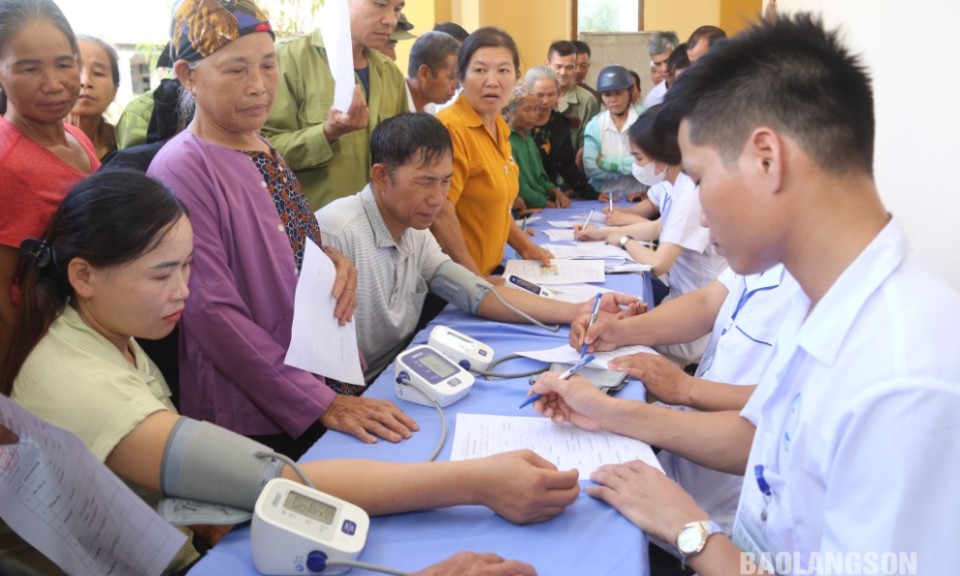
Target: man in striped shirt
{"points": [[384, 230]]}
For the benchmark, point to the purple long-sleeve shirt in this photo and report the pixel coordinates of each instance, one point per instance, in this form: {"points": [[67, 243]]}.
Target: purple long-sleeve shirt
{"points": [[236, 325]]}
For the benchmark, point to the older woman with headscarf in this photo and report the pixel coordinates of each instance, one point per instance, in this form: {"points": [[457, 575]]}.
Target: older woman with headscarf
{"points": [[251, 223]]}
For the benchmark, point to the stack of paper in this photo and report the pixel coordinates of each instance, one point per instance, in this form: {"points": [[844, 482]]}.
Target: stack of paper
{"points": [[566, 355], [559, 272], [615, 259]]}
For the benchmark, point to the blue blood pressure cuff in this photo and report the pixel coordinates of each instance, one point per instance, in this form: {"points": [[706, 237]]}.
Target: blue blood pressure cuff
{"points": [[459, 286], [213, 475]]}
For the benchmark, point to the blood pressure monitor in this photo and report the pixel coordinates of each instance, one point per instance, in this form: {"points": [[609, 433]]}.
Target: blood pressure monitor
{"points": [[468, 352], [423, 369], [297, 529]]}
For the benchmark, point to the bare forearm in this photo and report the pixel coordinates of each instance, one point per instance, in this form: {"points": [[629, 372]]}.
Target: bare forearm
{"points": [[543, 309], [446, 229], [708, 396], [717, 440], [676, 321], [519, 240], [411, 486], [721, 557]]}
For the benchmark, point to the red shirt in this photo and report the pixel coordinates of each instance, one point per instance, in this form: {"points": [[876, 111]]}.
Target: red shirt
{"points": [[33, 182]]}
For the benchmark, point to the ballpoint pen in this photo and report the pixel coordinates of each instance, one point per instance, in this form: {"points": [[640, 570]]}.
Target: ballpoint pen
{"points": [[587, 221], [610, 198], [570, 372], [593, 318]]}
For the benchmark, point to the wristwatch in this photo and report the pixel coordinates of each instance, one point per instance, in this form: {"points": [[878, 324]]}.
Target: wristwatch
{"points": [[623, 241], [693, 537]]}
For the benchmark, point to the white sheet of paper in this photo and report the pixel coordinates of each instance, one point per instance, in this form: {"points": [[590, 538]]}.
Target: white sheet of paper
{"points": [[597, 218], [567, 355], [559, 235], [626, 266], [318, 342], [529, 219], [563, 223], [68, 505], [559, 272], [587, 251], [334, 22], [576, 293], [479, 435]]}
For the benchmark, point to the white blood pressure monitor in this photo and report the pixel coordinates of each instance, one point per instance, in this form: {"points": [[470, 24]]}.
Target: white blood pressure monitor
{"points": [[296, 529], [468, 352], [425, 368]]}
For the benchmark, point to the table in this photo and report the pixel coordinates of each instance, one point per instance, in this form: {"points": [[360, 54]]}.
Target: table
{"points": [[589, 538]]}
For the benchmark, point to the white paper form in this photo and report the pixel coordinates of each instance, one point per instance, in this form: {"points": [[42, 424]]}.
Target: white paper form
{"points": [[58, 497], [318, 343], [559, 235], [335, 28], [587, 251], [479, 435], [567, 355], [528, 219], [559, 271], [563, 223]]}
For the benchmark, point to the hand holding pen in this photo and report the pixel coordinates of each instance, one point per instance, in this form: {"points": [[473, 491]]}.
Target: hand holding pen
{"points": [[570, 372], [593, 319]]}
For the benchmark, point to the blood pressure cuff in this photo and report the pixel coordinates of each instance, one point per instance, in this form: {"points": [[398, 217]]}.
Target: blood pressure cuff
{"points": [[210, 464], [459, 286]]}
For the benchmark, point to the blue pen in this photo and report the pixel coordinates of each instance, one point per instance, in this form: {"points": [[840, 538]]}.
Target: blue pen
{"points": [[593, 318], [570, 372]]}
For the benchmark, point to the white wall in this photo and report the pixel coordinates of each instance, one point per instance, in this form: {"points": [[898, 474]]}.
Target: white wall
{"points": [[909, 48]]}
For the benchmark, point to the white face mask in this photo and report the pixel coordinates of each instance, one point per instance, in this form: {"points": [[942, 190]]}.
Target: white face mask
{"points": [[647, 174]]}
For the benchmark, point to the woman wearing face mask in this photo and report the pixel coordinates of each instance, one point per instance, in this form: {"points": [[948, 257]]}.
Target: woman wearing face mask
{"points": [[683, 256], [99, 80]]}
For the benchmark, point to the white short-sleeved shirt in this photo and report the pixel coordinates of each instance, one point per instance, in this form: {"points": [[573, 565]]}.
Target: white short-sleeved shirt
{"points": [[655, 95], [857, 420], [738, 351], [698, 263], [392, 278]]}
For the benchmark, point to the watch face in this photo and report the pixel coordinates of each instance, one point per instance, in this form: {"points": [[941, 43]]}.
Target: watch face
{"points": [[690, 539]]}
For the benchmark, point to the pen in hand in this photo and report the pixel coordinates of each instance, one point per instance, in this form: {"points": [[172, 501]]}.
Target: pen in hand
{"points": [[593, 318], [566, 375]]}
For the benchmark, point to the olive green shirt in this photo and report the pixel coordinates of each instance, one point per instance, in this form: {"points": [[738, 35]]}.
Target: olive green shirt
{"points": [[578, 103], [327, 170]]}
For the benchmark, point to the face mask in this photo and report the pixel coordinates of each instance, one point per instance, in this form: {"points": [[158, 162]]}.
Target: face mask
{"points": [[647, 174]]}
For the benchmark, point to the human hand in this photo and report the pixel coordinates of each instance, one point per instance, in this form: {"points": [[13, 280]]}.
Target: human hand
{"points": [[523, 487], [355, 118], [560, 198], [617, 303], [535, 252], [622, 218], [8, 436], [211, 533], [591, 233], [368, 418], [575, 400], [472, 564], [345, 286], [661, 377], [647, 497], [519, 204], [603, 336], [579, 159]]}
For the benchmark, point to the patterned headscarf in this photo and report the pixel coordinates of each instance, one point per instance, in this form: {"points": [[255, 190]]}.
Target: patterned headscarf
{"points": [[201, 27], [519, 93]]}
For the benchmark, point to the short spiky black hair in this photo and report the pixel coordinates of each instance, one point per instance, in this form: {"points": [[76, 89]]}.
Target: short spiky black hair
{"points": [[789, 74], [409, 138]]}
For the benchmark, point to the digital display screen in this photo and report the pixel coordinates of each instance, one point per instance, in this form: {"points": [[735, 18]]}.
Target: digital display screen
{"points": [[306, 506], [441, 367]]}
